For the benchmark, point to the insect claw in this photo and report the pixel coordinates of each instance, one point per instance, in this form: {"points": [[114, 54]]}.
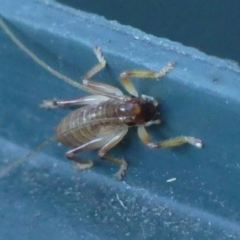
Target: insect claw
{"points": [[198, 143], [121, 172], [98, 52], [84, 166], [172, 64], [166, 70], [48, 104]]}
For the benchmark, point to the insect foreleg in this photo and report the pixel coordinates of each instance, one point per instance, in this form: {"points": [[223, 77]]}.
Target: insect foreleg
{"points": [[173, 142], [113, 141], [88, 100], [127, 83]]}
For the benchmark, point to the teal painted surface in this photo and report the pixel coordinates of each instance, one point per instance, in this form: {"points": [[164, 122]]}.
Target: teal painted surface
{"points": [[210, 26], [46, 198]]}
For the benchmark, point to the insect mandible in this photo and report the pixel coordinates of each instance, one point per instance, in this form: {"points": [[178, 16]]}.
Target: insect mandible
{"points": [[104, 117]]}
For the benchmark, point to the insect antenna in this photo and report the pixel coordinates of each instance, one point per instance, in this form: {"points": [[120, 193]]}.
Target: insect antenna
{"points": [[40, 62], [11, 166]]}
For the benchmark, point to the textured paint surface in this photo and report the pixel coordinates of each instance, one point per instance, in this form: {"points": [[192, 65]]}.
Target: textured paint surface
{"points": [[47, 198]]}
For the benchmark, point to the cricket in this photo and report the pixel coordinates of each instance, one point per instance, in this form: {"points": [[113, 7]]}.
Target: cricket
{"points": [[102, 118]]}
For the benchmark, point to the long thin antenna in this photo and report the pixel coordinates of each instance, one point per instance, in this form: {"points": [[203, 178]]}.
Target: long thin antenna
{"points": [[7, 169], [36, 59]]}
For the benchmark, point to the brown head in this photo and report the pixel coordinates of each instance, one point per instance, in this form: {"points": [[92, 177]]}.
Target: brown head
{"points": [[139, 111]]}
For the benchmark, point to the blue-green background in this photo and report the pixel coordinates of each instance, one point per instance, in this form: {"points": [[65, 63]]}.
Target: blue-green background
{"points": [[46, 198], [210, 26]]}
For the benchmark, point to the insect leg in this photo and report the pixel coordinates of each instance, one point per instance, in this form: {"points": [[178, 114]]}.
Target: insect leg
{"points": [[127, 83], [99, 88], [92, 99], [173, 142], [105, 144], [102, 88], [83, 164], [97, 68], [115, 139]]}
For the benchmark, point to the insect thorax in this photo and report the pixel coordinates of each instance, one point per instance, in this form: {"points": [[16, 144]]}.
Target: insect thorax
{"points": [[138, 111]]}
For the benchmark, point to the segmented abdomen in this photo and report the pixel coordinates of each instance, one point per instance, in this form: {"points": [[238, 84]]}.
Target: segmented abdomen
{"points": [[87, 123]]}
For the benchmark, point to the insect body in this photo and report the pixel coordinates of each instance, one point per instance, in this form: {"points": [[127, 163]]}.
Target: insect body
{"points": [[106, 115]]}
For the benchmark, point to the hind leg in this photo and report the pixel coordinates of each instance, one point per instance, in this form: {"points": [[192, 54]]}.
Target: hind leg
{"points": [[83, 164], [105, 144], [113, 141]]}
